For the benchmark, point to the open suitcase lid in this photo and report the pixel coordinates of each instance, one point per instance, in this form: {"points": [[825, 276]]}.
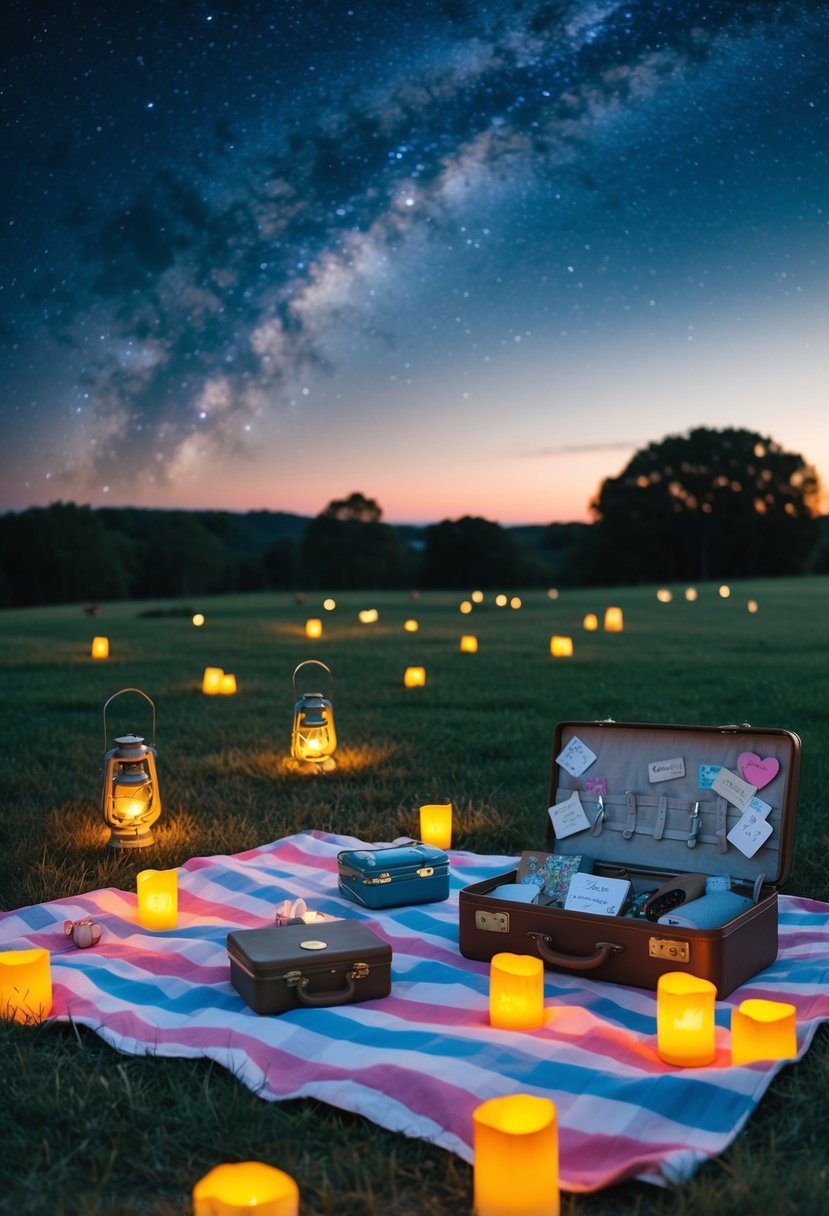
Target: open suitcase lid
{"points": [[661, 798]]}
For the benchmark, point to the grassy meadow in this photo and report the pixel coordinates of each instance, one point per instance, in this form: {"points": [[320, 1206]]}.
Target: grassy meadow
{"points": [[85, 1130]]}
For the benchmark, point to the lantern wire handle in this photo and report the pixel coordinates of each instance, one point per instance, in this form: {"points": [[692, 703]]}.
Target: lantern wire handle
{"points": [[305, 663], [146, 698]]}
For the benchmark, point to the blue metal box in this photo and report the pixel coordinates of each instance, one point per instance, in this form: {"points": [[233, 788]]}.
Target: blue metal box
{"points": [[391, 876]]}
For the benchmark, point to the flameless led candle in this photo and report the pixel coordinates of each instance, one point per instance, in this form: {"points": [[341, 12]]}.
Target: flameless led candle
{"points": [[500, 600], [591, 622], [515, 602], [763, 1030], [516, 992], [414, 677], [157, 898], [248, 1186], [691, 594], [198, 619], [465, 606], [469, 644], [685, 1019], [329, 605], [477, 597], [227, 684], [25, 985], [313, 627], [561, 648], [753, 606], [515, 1171], [614, 620], [100, 648], [724, 591], [411, 625], [211, 681], [436, 824], [664, 595], [368, 616]]}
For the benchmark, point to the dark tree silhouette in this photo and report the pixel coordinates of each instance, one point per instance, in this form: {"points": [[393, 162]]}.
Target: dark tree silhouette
{"points": [[709, 504], [346, 546], [470, 552], [356, 508]]}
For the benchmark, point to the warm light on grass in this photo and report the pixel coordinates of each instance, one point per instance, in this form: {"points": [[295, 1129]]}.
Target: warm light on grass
{"points": [[724, 591], [664, 595], [414, 677], [477, 597], [368, 616], [211, 682], [614, 620], [227, 686], [561, 647], [552, 594], [515, 602], [329, 605], [501, 600], [691, 594], [465, 607], [246, 1186], [469, 644], [411, 625], [198, 619], [753, 606], [100, 648], [591, 622], [313, 627]]}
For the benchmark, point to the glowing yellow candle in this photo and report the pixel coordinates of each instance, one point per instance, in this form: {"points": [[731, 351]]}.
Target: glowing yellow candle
{"points": [[501, 600], [227, 684], [515, 1171], [329, 604], [561, 648], [724, 591], [763, 1030], [157, 898], [753, 606], [465, 607], [198, 619], [691, 594], [477, 597], [515, 602], [100, 648], [469, 644], [516, 992], [664, 595], [591, 622], [249, 1186], [414, 677], [614, 620], [211, 681], [411, 626], [685, 1019], [436, 824], [368, 616], [313, 627], [25, 985]]}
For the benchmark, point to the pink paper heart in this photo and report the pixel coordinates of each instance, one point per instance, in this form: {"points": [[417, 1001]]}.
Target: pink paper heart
{"points": [[755, 771]]}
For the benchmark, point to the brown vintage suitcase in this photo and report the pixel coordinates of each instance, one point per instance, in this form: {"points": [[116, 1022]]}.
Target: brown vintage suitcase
{"points": [[656, 820], [282, 967]]}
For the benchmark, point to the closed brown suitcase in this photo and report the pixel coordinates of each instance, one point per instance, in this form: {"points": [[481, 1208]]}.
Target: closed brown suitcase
{"points": [[282, 967], [648, 832]]}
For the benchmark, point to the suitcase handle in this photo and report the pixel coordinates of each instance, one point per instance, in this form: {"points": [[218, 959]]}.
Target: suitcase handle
{"points": [[328, 998], [574, 962]]}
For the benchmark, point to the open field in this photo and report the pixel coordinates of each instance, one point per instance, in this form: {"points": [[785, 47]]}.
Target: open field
{"points": [[87, 1131]]}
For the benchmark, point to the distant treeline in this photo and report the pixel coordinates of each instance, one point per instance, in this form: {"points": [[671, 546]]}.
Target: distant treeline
{"points": [[66, 553]]}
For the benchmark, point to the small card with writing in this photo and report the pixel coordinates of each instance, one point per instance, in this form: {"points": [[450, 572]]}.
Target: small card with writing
{"points": [[575, 757], [708, 775], [749, 833], [731, 787], [569, 817], [550, 872], [666, 770], [592, 893], [759, 807]]}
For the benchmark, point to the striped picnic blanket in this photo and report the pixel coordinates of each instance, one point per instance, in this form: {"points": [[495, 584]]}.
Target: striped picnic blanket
{"points": [[419, 1061]]}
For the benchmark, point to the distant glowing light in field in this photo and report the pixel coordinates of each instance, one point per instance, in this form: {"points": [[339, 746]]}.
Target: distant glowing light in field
{"points": [[477, 597], [411, 626], [664, 595], [552, 593], [198, 619], [690, 594], [725, 591], [591, 622], [414, 677], [561, 648], [329, 605], [515, 602], [469, 644], [501, 601], [465, 607], [368, 616], [313, 627], [753, 606]]}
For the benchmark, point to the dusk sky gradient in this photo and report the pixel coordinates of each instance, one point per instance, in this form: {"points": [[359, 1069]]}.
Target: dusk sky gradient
{"points": [[465, 258]]}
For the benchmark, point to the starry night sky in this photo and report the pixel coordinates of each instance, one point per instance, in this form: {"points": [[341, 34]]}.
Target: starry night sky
{"points": [[463, 257]]}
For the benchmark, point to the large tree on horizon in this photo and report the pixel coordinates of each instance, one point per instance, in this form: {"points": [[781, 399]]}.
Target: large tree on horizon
{"points": [[708, 504]]}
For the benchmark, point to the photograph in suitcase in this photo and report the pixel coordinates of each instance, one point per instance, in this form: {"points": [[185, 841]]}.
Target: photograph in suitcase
{"points": [[282, 967], [698, 821]]}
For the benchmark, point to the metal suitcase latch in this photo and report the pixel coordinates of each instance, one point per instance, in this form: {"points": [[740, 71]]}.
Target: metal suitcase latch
{"points": [[360, 971], [426, 872], [492, 922], [379, 881], [666, 947], [292, 978]]}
